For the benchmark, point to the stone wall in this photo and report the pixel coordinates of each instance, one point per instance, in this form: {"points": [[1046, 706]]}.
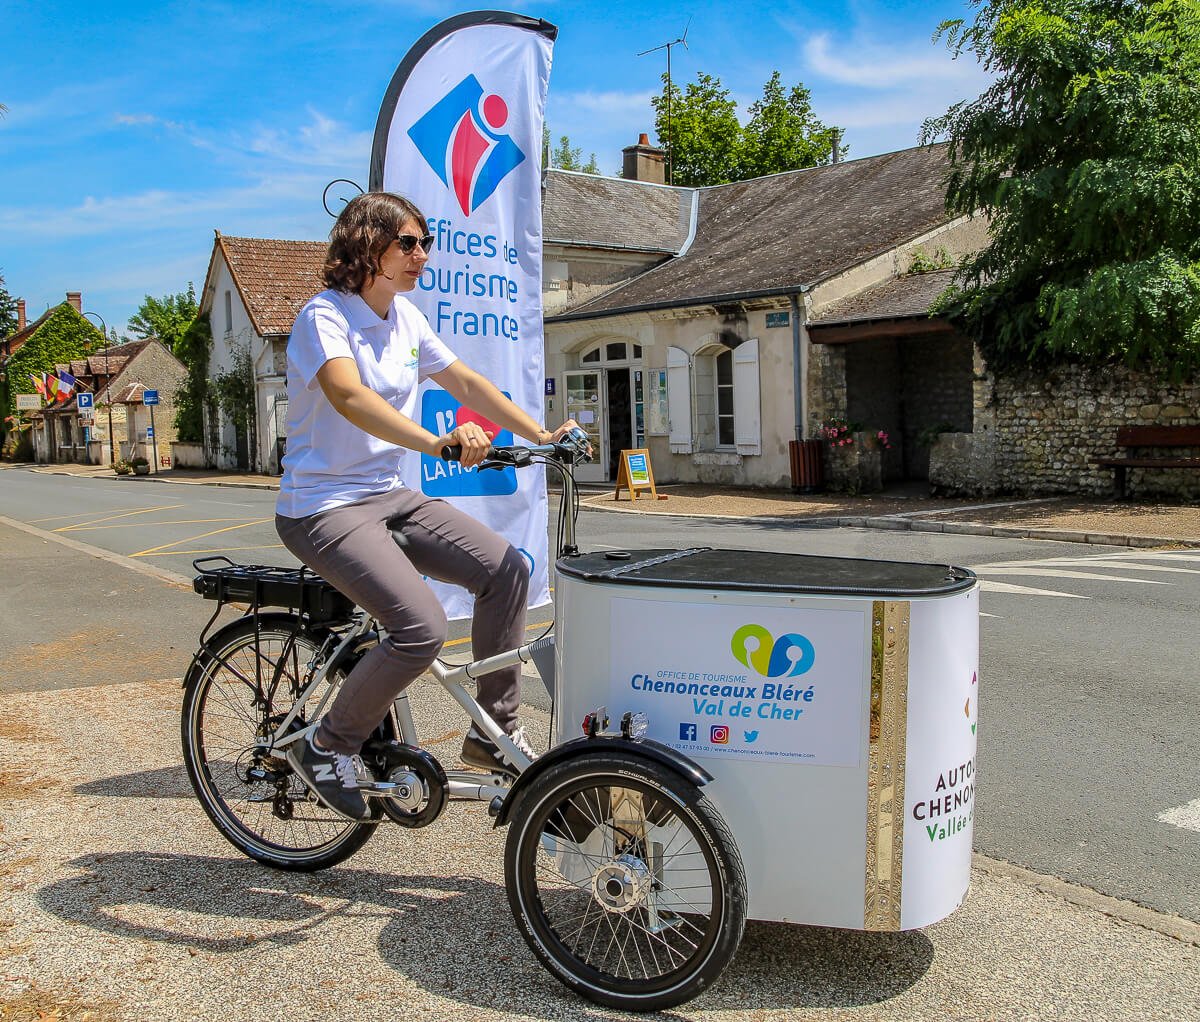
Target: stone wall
{"points": [[1039, 433], [906, 386]]}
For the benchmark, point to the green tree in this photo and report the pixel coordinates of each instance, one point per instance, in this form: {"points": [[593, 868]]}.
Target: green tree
{"points": [[707, 144], [195, 391], [1084, 153], [565, 156], [783, 133], [8, 310], [568, 157], [704, 139], [167, 318]]}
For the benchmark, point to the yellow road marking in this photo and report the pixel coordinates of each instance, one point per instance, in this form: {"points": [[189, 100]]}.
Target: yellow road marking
{"points": [[211, 550], [123, 514], [143, 525], [192, 539], [467, 638], [77, 514]]}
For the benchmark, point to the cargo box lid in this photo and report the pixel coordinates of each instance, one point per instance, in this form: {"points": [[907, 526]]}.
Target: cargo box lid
{"points": [[762, 571]]}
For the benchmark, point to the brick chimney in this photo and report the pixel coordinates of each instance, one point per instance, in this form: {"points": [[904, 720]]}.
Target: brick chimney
{"points": [[75, 298], [20, 314], [644, 162]]}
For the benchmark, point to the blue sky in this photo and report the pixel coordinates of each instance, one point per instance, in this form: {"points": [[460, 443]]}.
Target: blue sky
{"points": [[136, 129]]}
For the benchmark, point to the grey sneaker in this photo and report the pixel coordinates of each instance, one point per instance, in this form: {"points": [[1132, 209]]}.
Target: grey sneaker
{"points": [[481, 752], [333, 777]]}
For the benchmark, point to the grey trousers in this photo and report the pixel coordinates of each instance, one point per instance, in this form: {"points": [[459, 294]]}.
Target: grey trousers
{"points": [[351, 546]]}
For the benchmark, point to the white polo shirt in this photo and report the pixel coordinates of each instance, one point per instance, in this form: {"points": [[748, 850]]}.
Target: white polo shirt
{"points": [[330, 461]]}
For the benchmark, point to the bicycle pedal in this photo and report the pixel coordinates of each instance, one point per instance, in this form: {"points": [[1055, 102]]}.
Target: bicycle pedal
{"points": [[377, 789]]}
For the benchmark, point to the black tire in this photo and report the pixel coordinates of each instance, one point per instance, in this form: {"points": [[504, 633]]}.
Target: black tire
{"points": [[619, 930], [273, 821]]}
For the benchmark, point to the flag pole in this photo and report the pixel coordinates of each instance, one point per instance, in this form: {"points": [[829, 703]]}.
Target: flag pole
{"points": [[112, 454]]}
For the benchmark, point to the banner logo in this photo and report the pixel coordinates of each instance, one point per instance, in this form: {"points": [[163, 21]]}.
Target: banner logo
{"points": [[718, 734], [771, 657], [440, 413], [460, 138]]}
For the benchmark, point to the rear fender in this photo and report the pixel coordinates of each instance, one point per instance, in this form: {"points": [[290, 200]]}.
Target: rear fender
{"points": [[578, 748]]}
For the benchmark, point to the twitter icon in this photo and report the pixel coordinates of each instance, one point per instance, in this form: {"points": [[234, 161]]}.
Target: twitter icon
{"points": [[751, 736]]}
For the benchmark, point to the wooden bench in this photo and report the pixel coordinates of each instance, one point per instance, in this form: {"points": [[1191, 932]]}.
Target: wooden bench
{"points": [[1130, 437]]}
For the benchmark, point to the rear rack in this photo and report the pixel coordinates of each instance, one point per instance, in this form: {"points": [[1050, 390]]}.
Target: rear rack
{"points": [[263, 585]]}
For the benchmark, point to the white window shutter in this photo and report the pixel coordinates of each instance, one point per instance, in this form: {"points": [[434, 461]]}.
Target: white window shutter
{"points": [[747, 417], [679, 400]]}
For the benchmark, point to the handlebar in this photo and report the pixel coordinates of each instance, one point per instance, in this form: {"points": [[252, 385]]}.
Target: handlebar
{"points": [[570, 450]]}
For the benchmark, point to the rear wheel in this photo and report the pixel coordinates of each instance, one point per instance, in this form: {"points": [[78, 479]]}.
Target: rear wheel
{"points": [[235, 694], [625, 881]]}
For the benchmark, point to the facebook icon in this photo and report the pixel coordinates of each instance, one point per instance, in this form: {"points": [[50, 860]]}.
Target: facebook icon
{"points": [[687, 732]]}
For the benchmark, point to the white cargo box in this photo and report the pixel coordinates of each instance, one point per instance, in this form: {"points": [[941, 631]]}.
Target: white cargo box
{"points": [[833, 700]]}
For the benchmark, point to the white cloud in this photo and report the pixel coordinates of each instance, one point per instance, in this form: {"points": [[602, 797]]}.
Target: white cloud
{"points": [[322, 142], [886, 65]]}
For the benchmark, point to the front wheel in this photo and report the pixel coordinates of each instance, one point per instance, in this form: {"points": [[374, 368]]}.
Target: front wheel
{"points": [[625, 881], [235, 694]]}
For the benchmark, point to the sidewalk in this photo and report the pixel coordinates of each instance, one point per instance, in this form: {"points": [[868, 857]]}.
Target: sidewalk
{"points": [[1066, 519]]}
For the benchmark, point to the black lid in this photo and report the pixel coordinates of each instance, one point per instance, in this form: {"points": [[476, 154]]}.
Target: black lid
{"points": [[760, 571]]}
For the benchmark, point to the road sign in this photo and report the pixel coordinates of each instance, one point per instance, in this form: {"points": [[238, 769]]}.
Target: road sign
{"points": [[88, 413], [28, 402], [84, 400], [150, 397]]}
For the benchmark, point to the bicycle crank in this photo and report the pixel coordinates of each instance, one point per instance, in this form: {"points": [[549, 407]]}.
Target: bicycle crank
{"points": [[417, 784]]}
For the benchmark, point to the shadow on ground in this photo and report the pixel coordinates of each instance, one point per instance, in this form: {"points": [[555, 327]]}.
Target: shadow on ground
{"points": [[225, 907]]}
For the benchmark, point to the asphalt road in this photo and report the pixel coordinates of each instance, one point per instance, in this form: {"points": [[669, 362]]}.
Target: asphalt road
{"points": [[1089, 710]]}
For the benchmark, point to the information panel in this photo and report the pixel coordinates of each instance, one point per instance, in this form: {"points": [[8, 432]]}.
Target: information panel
{"points": [[742, 681]]}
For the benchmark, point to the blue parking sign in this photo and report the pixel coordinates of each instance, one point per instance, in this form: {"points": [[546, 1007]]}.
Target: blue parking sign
{"points": [[83, 400]]}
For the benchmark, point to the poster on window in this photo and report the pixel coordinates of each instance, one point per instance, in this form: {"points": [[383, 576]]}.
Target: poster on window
{"points": [[657, 422]]}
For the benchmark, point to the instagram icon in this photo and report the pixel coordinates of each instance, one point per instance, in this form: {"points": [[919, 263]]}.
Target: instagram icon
{"points": [[719, 734]]}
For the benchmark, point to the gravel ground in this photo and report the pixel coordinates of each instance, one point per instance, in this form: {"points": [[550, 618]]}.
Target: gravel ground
{"points": [[121, 902]]}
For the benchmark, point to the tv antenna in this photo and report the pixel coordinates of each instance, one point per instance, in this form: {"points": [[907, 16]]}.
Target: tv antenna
{"points": [[667, 47]]}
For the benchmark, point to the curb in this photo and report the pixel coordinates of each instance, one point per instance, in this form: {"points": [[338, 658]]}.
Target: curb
{"points": [[891, 524], [1176, 927]]}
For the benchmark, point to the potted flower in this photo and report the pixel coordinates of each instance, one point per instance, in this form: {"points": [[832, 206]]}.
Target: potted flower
{"points": [[122, 467], [141, 466], [854, 458]]}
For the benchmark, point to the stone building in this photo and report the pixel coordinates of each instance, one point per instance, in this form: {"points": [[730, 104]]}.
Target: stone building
{"points": [[679, 319], [117, 377]]}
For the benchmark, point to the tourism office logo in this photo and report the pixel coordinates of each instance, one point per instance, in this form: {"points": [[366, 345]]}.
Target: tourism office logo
{"points": [[461, 139], [788, 656]]}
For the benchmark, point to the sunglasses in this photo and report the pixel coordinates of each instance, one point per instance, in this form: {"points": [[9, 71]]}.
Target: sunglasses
{"points": [[408, 242]]}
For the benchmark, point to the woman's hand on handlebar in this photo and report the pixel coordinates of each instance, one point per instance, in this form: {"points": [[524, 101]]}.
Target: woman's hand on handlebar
{"points": [[473, 440], [558, 434]]}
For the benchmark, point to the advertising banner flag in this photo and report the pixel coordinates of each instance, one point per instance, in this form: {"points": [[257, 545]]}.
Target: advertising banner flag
{"points": [[460, 134]]}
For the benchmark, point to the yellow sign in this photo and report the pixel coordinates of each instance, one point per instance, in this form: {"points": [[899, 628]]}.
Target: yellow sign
{"points": [[635, 474]]}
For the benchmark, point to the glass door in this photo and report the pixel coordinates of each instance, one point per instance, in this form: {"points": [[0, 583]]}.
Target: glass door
{"points": [[585, 399]]}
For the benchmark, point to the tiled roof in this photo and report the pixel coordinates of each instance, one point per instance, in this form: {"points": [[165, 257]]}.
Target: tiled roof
{"points": [[132, 393], [275, 278], [905, 296], [770, 235], [610, 212]]}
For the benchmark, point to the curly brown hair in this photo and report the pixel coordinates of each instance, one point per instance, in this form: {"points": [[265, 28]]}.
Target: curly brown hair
{"points": [[369, 223]]}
